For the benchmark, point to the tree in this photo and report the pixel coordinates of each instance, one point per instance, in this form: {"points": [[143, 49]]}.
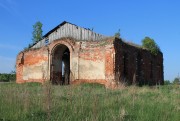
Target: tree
{"points": [[117, 34], [37, 32], [176, 81], [7, 77], [150, 45], [167, 82]]}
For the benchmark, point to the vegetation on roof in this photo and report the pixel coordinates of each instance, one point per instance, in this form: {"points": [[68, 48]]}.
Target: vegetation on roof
{"points": [[147, 43], [117, 35], [150, 45]]}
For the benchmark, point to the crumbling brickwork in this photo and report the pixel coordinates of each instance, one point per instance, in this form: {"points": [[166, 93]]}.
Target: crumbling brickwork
{"points": [[135, 65], [31, 65], [105, 62], [70, 60]]}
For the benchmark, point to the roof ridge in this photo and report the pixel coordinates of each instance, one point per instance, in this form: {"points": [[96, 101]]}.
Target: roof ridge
{"points": [[61, 24]]}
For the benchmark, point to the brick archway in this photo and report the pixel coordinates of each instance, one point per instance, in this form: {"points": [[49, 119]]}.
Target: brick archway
{"points": [[60, 61]]}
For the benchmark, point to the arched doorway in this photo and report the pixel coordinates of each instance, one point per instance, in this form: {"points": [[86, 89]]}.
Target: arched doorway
{"points": [[60, 65]]}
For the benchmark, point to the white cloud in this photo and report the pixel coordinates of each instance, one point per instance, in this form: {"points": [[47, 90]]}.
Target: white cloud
{"points": [[7, 64], [5, 7], [9, 6]]}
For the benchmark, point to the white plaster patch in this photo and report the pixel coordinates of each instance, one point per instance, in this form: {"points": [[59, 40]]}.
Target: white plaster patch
{"points": [[91, 69], [37, 71]]}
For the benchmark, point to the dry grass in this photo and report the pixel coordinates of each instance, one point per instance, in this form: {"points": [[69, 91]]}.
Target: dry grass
{"points": [[88, 102]]}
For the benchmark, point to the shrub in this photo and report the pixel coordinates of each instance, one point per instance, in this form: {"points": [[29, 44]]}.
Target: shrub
{"points": [[7, 77], [150, 45]]}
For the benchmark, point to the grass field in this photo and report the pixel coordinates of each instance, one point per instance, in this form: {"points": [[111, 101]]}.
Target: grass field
{"points": [[88, 102]]}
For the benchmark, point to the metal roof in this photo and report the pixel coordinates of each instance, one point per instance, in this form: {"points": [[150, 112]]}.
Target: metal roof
{"points": [[58, 26]]}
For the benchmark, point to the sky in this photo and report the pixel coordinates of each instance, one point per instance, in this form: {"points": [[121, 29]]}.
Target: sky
{"points": [[136, 19]]}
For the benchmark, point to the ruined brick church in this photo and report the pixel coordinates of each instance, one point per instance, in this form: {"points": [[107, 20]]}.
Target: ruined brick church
{"points": [[69, 54]]}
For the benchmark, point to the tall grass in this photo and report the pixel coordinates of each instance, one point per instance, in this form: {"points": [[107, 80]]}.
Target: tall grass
{"points": [[88, 102]]}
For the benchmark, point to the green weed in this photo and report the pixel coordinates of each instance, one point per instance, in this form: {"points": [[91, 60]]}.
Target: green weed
{"points": [[88, 102]]}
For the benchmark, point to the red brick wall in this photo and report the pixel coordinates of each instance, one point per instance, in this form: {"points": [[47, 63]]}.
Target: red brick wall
{"points": [[31, 58], [120, 62], [148, 69]]}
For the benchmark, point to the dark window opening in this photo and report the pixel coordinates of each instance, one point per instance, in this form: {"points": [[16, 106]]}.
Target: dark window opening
{"points": [[151, 71], [125, 63], [139, 69]]}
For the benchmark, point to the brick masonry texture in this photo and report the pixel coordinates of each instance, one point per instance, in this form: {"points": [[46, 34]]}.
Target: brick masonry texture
{"points": [[110, 62]]}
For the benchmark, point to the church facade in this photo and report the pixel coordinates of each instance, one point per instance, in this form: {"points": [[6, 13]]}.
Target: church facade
{"points": [[69, 54]]}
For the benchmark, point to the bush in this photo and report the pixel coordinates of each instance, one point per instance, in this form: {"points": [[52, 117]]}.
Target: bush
{"points": [[167, 82], [7, 77], [150, 45]]}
